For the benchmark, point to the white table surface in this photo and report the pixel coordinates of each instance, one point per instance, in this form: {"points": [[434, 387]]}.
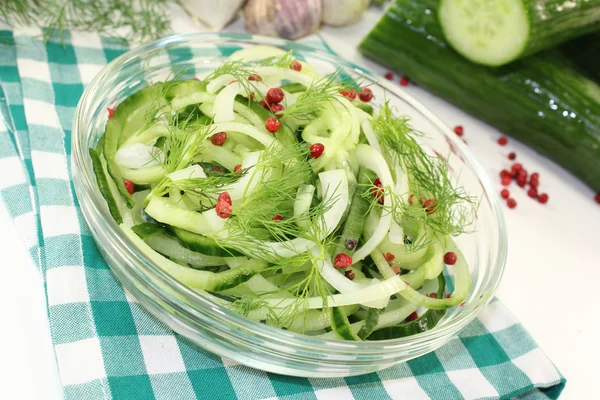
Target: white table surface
{"points": [[551, 279]]}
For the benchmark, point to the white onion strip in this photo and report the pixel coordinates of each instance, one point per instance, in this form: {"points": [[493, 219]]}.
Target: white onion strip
{"points": [[369, 158]]}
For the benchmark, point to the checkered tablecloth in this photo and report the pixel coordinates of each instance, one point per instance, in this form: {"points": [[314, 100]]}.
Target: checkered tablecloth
{"points": [[108, 347]]}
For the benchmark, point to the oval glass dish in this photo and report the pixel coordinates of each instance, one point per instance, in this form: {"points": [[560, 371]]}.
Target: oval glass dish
{"points": [[220, 330]]}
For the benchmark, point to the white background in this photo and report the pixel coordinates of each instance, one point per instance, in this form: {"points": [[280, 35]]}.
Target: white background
{"points": [[551, 282]]}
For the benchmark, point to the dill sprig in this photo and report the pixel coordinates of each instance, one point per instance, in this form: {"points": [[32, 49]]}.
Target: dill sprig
{"points": [[280, 170], [139, 20], [274, 196], [311, 285], [237, 69], [282, 61], [159, 109], [452, 210], [241, 72], [204, 190], [183, 141], [310, 102], [416, 238]]}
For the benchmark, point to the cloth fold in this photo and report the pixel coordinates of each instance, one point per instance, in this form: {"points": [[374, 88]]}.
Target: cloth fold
{"points": [[108, 347]]}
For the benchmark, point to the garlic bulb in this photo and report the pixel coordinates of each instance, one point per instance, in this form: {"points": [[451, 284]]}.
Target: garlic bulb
{"points": [[214, 13], [343, 12], [289, 19]]}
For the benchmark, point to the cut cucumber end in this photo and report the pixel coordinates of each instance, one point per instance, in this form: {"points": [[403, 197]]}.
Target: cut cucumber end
{"points": [[488, 32]]}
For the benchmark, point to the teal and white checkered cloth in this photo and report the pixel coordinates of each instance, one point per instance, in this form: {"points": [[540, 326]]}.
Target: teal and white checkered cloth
{"points": [[108, 347]]}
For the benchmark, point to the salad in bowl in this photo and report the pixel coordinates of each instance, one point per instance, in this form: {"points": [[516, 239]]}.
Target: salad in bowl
{"points": [[265, 193]]}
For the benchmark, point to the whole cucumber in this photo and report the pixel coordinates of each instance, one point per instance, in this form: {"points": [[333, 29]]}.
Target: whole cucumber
{"points": [[539, 100]]}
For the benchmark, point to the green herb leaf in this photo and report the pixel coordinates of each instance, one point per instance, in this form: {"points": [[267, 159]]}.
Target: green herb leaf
{"points": [[452, 210]]}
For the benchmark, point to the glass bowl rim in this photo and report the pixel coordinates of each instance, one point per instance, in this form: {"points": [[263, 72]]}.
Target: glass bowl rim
{"points": [[90, 193]]}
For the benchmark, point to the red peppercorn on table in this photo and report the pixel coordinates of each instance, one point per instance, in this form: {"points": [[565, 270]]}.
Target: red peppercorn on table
{"points": [[553, 239]]}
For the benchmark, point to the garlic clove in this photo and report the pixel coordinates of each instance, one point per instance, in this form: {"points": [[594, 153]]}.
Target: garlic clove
{"points": [[214, 13], [289, 19], [343, 12]]}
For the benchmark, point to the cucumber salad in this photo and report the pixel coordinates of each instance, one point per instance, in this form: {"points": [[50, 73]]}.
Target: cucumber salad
{"points": [[288, 197]]}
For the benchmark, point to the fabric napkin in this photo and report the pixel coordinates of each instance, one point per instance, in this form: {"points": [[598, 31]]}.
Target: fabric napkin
{"points": [[108, 347]]}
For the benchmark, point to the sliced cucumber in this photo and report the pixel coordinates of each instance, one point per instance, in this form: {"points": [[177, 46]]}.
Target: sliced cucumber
{"points": [[370, 323], [221, 155], [197, 279], [355, 222], [202, 244], [496, 32], [172, 248], [129, 117], [366, 108], [486, 32], [428, 320], [341, 325], [293, 87], [146, 229], [185, 88], [163, 211], [103, 186]]}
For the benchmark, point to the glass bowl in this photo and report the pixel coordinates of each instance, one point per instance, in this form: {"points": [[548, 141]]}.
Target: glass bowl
{"points": [[224, 332]]}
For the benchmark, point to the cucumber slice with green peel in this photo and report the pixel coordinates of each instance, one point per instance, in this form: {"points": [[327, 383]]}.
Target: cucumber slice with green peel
{"points": [[371, 321], [221, 155], [366, 108], [355, 221], [162, 210], [185, 88], [143, 176], [496, 32], [293, 87], [213, 169], [102, 181], [129, 117], [428, 320], [202, 244], [198, 279], [341, 325], [146, 229], [170, 247]]}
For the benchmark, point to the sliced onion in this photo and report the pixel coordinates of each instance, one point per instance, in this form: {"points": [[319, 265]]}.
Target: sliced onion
{"points": [[139, 155], [369, 158], [191, 172], [263, 137]]}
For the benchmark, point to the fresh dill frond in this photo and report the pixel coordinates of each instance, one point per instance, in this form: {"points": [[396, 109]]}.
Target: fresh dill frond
{"points": [[282, 61], [418, 242], [266, 213], [159, 109], [348, 82], [204, 190], [183, 141], [241, 72], [451, 210], [21, 12], [279, 171], [288, 169], [312, 284], [373, 193], [310, 102], [133, 20], [234, 68]]}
